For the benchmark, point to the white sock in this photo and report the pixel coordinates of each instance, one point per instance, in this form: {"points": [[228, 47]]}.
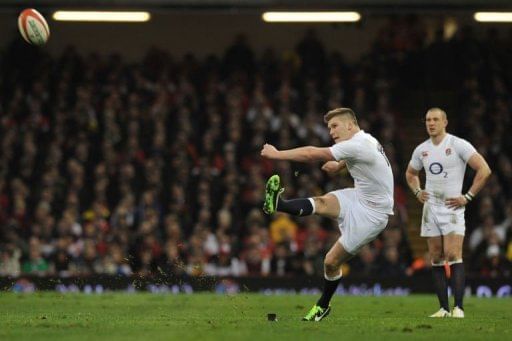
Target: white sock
{"points": [[312, 201]]}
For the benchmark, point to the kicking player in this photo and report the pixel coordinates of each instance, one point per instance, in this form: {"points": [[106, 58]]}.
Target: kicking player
{"points": [[444, 158], [362, 212]]}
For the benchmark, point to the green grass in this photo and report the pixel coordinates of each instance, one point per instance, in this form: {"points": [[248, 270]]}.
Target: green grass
{"points": [[51, 316]]}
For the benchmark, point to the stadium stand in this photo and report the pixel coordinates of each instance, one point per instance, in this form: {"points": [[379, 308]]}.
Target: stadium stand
{"points": [[111, 167]]}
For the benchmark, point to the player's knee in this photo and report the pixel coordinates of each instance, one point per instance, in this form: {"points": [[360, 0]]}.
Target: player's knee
{"points": [[436, 257], [320, 205], [331, 265], [326, 206], [452, 256]]}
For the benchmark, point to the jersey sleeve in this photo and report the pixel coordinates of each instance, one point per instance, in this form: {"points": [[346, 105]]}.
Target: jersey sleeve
{"points": [[416, 159], [464, 149], [346, 150]]}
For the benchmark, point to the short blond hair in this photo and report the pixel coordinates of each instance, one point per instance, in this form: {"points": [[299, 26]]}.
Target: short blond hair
{"points": [[443, 113], [341, 112]]}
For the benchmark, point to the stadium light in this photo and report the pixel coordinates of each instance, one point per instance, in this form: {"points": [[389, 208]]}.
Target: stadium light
{"points": [[103, 16], [493, 16], [311, 16]]}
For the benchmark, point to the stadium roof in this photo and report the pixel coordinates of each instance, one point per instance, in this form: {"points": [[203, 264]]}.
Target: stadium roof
{"points": [[387, 5]]}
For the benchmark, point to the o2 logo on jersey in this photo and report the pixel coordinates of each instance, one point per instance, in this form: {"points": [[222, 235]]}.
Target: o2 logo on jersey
{"points": [[437, 168]]}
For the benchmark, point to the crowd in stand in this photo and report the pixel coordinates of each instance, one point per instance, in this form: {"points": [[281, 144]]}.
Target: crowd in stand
{"points": [[486, 118], [108, 167]]}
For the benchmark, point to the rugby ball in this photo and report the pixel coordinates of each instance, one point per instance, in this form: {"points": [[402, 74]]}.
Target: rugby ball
{"points": [[33, 27]]}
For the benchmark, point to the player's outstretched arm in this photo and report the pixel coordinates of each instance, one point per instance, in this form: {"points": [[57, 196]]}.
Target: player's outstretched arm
{"points": [[301, 154], [413, 180]]}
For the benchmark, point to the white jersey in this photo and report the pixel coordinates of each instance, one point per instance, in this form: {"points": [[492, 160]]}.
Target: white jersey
{"points": [[370, 168], [445, 165]]}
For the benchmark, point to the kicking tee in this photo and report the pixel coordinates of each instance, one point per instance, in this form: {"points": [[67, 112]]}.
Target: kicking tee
{"points": [[369, 166], [445, 165]]}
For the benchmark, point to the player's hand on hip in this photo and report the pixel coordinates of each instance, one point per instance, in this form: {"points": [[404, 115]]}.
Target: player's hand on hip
{"points": [[269, 151], [331, 167], [456, 202], [422, 196]]}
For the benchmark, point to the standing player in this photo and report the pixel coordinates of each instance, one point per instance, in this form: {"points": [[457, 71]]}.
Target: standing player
{"points": [[362, 212], [444, 158]]}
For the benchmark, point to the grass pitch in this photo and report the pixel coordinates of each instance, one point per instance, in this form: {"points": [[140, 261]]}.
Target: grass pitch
{"points": [[51, 316]]}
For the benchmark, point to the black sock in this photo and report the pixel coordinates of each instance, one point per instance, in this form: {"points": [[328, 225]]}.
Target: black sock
{"points": [[299, 207], [329, 289], [457, 281], [441, 286]]}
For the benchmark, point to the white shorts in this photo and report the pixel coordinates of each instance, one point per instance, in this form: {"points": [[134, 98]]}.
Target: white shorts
{"points": [[439, 220], [358, 224]]}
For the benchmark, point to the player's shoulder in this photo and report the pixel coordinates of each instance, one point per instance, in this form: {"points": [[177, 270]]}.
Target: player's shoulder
{"points": [[453, 138], [362, 136], [424, 145], [458, 141], [358, 138]]}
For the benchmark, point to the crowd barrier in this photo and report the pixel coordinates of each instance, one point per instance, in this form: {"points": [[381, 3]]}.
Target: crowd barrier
{"points": [[475, 286]]}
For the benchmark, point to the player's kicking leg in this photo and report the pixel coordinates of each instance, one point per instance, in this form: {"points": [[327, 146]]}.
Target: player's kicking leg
{"points": [[326, 206], [273, 190], [274, 202]]}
